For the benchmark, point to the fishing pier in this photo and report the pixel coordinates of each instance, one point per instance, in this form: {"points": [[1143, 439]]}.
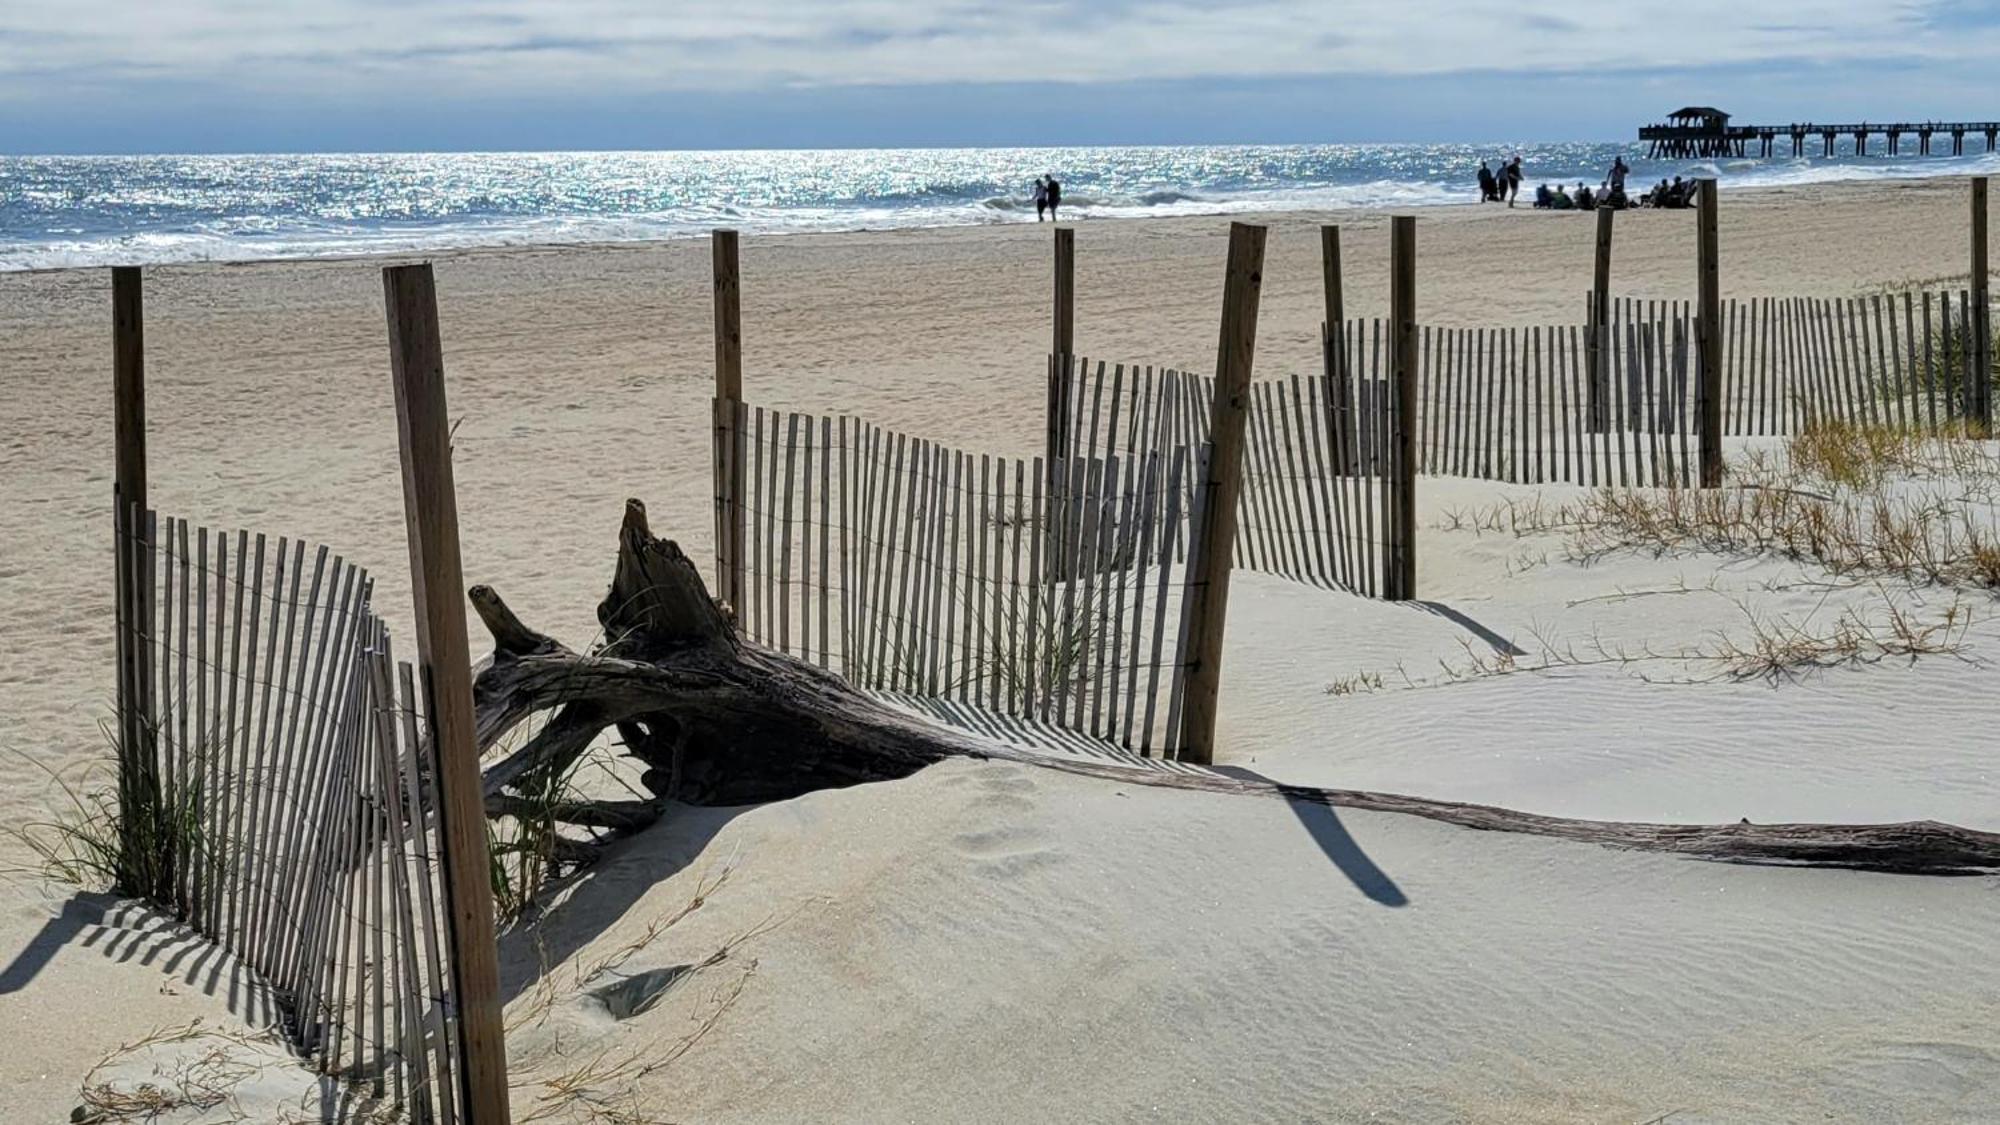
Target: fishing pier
{"points": [[1699, 131]]}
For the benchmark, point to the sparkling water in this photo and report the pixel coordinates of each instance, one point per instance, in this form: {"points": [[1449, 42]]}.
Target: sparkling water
{"points": [[72, 211]]}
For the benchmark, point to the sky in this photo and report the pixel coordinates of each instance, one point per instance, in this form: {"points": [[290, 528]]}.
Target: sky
{"points": [[135, 76]]}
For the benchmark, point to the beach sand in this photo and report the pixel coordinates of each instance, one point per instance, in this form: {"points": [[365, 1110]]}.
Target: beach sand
{"points": [[991, 943]]}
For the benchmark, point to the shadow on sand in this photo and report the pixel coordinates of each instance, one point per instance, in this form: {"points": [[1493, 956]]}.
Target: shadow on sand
{"points": [[1323, 824], [1495, 641], [131, 932], [596, 898]]}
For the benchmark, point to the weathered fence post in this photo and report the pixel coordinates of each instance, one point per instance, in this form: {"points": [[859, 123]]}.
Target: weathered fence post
{"points": [[138, 777], [728, 397], [1340, 387], [430, 508], [1215, 534], [1402, 568], [1982, 315], [1709, 338], [1062, 360], [1329, 265], [1061, 395], [1065, 294], [1599, 327]]}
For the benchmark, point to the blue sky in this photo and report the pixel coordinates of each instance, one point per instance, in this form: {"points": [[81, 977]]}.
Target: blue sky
{"points": [[278, 75]]}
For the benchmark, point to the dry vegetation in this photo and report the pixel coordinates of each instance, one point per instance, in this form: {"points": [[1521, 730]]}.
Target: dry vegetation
{"points": [[1883, 511], [1768, 648], [191, 1068], [1860, 502]]}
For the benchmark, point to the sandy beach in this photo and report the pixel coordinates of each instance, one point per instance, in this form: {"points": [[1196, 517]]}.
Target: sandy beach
{"points": [[987, 942]]}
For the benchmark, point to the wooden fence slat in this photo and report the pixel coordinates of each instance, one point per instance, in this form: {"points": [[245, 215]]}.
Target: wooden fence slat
{"points": [[322, 757], [199, 761], [1141, 559], [806, 524], [882, 559], [850, 516], [958, 604], [997, 536], [1016, 701], [438, 986], [904, 626], [937, 645], [1361, 483], [1304, 477], [785, 536], [1316, 428], [1035, 650], [1180, 478], [285, 824], [1102, 563], [826, 455]]}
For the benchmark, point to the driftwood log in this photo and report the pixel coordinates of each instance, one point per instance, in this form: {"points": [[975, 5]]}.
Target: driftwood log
{"points": [[717, 719]]}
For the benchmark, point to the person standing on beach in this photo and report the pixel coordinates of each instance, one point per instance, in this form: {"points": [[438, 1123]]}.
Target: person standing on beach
{"points": [[1041, 198], [1513, 180], [1055, 199]]}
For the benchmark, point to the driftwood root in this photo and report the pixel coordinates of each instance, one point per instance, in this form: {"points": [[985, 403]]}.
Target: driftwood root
{"points": [[714, 718]]}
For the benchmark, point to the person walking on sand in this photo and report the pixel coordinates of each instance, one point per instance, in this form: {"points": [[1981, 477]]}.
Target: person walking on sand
{"points": [[1041, 198], [1513, 180], [1055, 199]]}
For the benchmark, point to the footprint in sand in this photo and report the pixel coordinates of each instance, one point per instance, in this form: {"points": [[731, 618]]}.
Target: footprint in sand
{"points": [[1006, 851]]}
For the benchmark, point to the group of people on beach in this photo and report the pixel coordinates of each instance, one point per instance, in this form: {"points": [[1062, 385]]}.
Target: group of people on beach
{"points": [[1501, 186], [1609, 194], [1680, 193], [1048, 197], [1505, 185]]}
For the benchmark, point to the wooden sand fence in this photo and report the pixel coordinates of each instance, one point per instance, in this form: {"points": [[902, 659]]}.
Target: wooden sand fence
{"points": [[1534, 405], [1082, 592], [1319, 473], [1912, 360], [291, 818], [1519, 404], [929, 573], [287, 788]]}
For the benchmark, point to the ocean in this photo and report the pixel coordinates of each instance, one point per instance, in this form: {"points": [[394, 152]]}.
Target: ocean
{"points": [[88, 211]]}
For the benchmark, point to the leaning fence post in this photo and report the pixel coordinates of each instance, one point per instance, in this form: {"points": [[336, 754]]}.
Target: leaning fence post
{"points": [[1402, 569], [1982, 315], [138, 783], [430, 508], [1600, 317], [1215, 536], [728, 397], [1709, 337]]}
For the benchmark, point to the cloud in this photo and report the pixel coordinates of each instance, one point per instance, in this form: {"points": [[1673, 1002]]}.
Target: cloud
{"points": [[464, 49]]}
